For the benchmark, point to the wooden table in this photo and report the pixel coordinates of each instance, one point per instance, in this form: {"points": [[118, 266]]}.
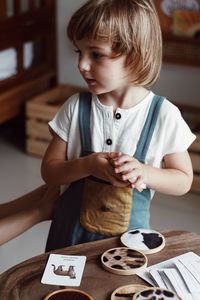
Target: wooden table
{"points": [[22, 282]]}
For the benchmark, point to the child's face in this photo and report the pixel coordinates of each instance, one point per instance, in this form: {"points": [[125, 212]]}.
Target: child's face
{"points": [[102, 72]]}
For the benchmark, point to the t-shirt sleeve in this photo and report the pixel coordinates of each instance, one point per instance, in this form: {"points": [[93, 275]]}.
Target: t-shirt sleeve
{"points": [[177, 134], [62, 120]]}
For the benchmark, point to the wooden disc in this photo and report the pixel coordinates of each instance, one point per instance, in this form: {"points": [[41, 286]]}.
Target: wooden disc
{"points": [[70, 294], [156, 294], [146, 241], [123, 261], [127, 292]]}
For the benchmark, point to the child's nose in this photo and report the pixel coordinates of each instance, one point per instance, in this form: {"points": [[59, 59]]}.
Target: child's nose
{"points": [[84, 64]]}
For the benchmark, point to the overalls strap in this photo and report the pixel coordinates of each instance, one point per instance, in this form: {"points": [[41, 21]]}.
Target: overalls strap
{"points": [[146, 134], [148, 129], [85, 100], [140, 214], [65, 228], [141, 201]]}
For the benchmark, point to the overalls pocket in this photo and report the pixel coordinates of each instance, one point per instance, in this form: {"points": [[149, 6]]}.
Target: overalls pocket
{"points": [[105, 209]]}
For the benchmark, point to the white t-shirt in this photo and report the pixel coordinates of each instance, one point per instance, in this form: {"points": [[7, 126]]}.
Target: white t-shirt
{"points": [[171, 134]]}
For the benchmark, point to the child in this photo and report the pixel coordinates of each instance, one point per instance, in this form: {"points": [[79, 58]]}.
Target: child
{"points": [[112, 142], [22, 213]]}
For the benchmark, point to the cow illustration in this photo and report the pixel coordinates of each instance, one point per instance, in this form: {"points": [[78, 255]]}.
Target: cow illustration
{"points": [[59, 271]]}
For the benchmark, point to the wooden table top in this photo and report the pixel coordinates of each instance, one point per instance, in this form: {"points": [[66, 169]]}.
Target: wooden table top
{"points": [[22, 282]]}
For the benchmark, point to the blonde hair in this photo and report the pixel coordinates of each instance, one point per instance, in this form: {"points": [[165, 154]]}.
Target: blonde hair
{"points": [[131, 26]]}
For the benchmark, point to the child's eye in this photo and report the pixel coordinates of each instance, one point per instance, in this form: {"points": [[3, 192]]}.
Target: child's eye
{"points": [[96, 55], [77, 51]]}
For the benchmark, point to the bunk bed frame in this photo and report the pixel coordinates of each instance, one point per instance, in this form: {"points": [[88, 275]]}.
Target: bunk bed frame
{"points": [[37, 25]]}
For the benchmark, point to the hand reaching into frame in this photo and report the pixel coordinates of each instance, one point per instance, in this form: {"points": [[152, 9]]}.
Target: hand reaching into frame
{"points": [[130, 169]]}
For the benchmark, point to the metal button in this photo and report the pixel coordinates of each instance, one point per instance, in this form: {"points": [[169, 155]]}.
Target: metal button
{"points": [[109, 142]]}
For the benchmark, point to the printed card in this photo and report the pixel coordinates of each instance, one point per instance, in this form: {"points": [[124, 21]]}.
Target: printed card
{"points": [[66, 270], [180, 274]]}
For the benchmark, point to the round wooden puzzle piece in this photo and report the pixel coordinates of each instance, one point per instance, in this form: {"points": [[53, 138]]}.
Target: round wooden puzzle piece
{"points": [[156, 294], [127, 292], [123, 261], [146, 241]]}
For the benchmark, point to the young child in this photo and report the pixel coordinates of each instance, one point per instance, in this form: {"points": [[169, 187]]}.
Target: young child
{"points": [[22, 213], [111, 143]]}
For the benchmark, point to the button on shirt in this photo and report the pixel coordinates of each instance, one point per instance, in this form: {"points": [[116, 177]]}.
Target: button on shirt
{"points": [[171, 134], [109, 142], [118, 116]]}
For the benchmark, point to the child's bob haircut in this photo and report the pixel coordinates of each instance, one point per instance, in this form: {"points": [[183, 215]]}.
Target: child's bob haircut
{"points": [[131, 26]]}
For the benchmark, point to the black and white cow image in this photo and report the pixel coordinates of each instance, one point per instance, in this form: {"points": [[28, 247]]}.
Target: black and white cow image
{"points": [[156, 294], [143, 240]]}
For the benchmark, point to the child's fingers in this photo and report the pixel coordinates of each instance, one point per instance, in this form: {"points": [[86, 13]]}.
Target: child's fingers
{"points": [[124, 158], [140, 185], [131, 177], [126, 166], [128, 173], [123, 169], [114, 155], [112, 162]]}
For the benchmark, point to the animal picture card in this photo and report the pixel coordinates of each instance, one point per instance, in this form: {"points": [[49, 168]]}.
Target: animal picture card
{"points": [[66, 270]]}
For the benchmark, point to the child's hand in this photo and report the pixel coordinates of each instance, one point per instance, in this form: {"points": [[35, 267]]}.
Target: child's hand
{"points": [[130, 169], [100, 167]]}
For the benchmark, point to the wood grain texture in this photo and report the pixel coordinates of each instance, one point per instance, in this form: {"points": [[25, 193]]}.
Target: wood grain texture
{"points": [[22, 282]]}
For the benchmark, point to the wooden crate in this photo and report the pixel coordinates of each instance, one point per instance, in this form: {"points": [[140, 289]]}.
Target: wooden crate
{"points": [[192, 116], [39, 111]]}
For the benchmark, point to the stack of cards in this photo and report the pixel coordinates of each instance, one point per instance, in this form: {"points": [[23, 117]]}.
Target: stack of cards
{"points": [[180, 274]]}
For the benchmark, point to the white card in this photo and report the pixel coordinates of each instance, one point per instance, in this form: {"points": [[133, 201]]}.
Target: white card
{"points": [[192, 284], [193, 266], [144, 274], [66, 270], [177, 272], [178, 284], [166, 280], [156, 276]]}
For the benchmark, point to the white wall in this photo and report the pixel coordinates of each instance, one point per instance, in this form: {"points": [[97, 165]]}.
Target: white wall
{"points": [[67, 58], [177, 82]]}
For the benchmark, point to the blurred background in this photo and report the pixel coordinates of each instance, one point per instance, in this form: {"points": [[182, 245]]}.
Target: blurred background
{"points": [[38, 72]]}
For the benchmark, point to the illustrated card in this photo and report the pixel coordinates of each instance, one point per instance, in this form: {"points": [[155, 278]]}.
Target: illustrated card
{"points": [[66, 270]]}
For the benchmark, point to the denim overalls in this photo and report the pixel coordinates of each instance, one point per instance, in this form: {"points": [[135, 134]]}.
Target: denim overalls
{"points": [[92, 209]]}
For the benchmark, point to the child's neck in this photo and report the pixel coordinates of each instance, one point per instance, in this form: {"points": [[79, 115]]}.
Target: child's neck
{"points": [[124, 98]]}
